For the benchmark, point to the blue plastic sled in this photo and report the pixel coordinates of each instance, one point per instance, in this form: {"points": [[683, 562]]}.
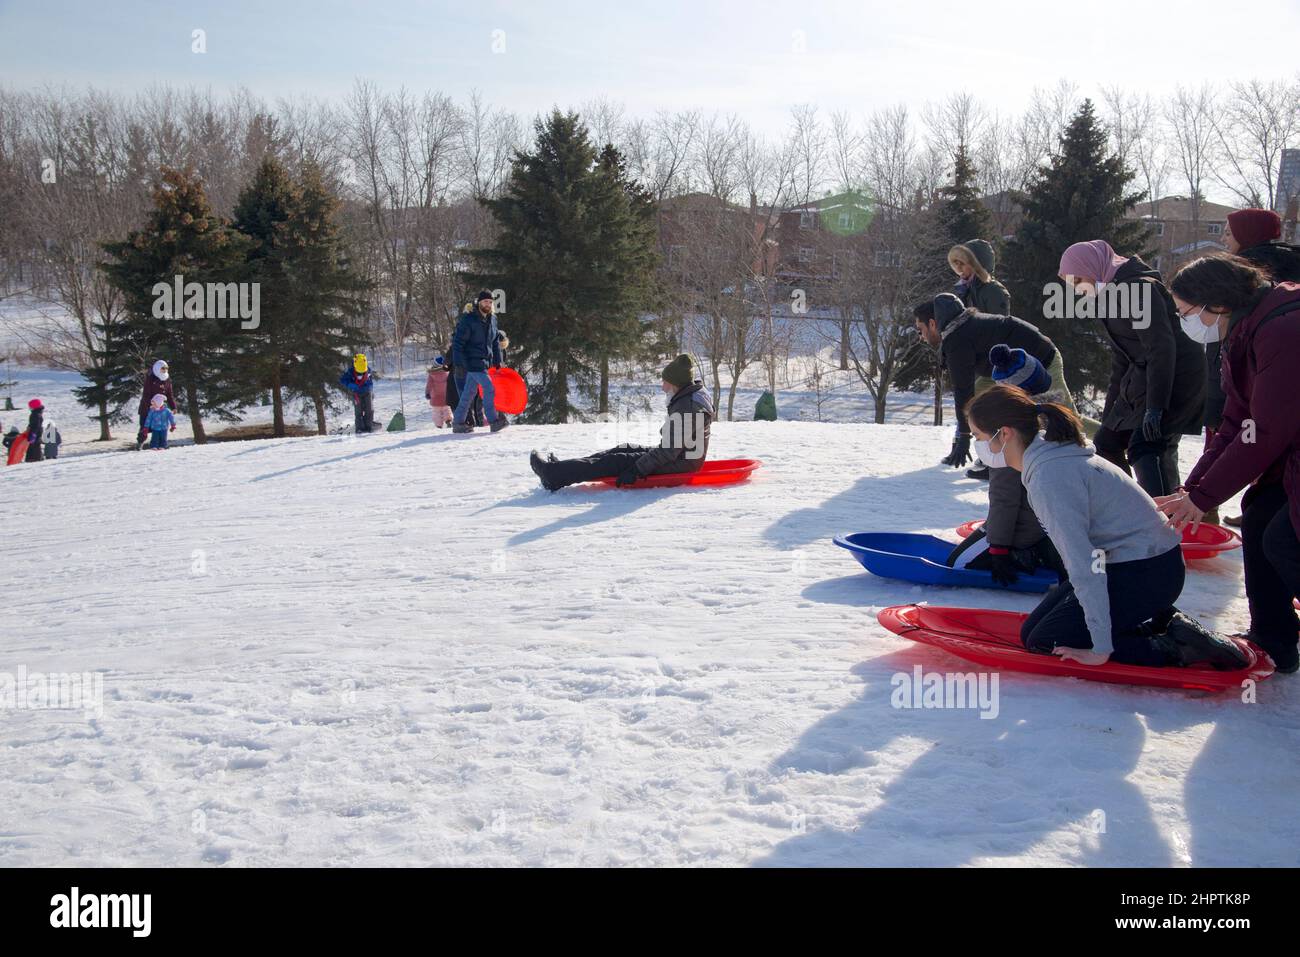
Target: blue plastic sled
{"points": [[920, 559]]}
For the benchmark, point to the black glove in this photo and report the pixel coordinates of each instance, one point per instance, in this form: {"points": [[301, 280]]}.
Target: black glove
{"points": [[1151, 429], [1003, 566], [629, 476], [960, 453]]}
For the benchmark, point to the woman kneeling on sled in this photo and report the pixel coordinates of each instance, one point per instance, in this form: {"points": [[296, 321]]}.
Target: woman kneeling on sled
{"points": [[1125, 563]]}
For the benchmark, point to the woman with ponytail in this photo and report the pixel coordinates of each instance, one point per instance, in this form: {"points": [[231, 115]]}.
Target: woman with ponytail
{"points": [[1125, 563]]}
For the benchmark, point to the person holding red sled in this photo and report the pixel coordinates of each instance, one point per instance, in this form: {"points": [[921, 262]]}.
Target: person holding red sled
{"points": [[1125, 563]]}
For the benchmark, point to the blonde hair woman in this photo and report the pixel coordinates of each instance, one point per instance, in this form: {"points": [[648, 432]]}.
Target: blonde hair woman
{"points": [[973, 262]]}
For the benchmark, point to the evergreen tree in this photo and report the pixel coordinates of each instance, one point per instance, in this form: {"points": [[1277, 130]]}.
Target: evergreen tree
{"points": [[1082, 195], [574, 256], [182, 237], [961, 214], [328, 294]]}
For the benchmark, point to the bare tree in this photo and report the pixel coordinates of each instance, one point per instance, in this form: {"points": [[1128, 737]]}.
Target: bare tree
{"points": [[1189, 118], [1258, 121]]}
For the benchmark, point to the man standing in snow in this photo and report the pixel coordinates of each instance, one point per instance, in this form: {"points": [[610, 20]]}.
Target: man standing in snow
{"points": [[963, 338], [683, 439], [476, 346]]}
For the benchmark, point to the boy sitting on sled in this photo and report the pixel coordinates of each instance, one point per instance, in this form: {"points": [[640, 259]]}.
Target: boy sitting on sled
{"points": [[683, 439]]}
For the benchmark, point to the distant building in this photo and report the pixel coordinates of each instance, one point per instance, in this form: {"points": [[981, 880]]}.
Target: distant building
{"points": [[1173, 234], [1288, 194]]}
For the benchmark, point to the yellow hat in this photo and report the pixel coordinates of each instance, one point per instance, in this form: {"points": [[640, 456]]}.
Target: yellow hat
{"points": [[359, 362]]}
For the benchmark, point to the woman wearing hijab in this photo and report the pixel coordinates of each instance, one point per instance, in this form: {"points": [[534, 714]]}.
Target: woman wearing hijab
{"points": [[157, 382], [1157, 379], [1257, 443]]}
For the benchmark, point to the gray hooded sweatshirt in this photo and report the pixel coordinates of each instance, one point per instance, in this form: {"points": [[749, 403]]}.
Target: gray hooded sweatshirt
{"points": [[1089, 506]]}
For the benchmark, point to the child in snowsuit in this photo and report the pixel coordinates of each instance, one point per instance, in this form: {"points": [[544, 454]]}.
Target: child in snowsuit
{"points": [[361, 384], [1011, 541], [51, 438], [157, 382], [435, 390], [159, 422], [683, 440]]}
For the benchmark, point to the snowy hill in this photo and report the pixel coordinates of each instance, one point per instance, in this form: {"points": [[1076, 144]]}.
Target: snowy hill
{"points": [[397, 649]]}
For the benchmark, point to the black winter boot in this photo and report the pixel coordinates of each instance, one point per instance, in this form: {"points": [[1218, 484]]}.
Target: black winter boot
{"points": [[460, 428], [1195, 644], [499, 423], [539, 466], [980, 472]]}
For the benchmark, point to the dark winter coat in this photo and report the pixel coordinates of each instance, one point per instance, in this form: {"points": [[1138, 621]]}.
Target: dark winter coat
{"points": [[1153, 367], [155, 386], [476, 344], [964, 351], [35, 426], [1011, 522], [358, 383], [684, 438], [1259, 382], [1214, 397], [1280, 260]]}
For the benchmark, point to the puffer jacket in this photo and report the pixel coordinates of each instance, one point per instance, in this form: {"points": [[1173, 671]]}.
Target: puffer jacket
{"points": [[684, 437], [1153, 363], [476, 343]]}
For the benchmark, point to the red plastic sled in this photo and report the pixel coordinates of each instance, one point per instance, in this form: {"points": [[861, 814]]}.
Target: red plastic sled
{"points": [[1208, 541], [992, 638], [18, 450], [511, 391], [717, 472]]}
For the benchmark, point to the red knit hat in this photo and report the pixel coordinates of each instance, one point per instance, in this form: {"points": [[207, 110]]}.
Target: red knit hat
{"points": [[35, 404], [1254, 227]]}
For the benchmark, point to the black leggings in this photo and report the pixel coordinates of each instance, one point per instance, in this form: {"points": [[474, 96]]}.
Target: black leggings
{"points": [[1271, 553], [597, 465], [1139, 591]]}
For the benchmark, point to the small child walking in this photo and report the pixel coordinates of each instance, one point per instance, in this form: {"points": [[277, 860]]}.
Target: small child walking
{"points": [[435, 390], [159, 422]]}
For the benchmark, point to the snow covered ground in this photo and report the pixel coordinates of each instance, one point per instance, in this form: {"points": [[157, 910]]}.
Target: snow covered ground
{"points": [[396, 649]]}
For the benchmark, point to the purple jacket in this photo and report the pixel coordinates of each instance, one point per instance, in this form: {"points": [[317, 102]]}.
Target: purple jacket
{"points": [[1259, 437]]}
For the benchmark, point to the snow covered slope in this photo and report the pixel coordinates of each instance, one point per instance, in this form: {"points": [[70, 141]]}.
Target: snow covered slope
{"points": [[397, 649]]}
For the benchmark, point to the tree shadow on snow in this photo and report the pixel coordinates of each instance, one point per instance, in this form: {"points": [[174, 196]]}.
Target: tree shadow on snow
{"points": [[422, 440], [983, 788], [607, 503], [924, 498]]}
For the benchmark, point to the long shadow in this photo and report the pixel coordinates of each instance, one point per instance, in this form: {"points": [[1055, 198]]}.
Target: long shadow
{"points": [[984, 788], [880, 502], [422, 440], [1240, 792], [607, 503]]}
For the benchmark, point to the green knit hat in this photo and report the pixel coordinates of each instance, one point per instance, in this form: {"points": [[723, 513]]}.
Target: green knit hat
{"points": [[680, 372]]}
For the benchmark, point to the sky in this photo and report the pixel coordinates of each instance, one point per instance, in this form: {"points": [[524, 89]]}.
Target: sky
{"points": [[756, 59]]}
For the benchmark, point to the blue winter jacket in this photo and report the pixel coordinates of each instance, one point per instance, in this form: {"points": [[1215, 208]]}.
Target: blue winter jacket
{"points": [[159, 420], [360, 384], [475, 345]]}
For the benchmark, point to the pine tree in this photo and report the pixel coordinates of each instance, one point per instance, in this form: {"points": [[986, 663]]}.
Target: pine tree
{"points": [[1082, 195], [574, 255], [261, 212], [961, 214], [328, 294], [182, 237]]}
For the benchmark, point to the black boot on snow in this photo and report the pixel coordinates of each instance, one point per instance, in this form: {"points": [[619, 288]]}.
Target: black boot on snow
{"points": [[460, 428], [539, 468], [980, 472], [1195, 644], [1286, 655], [499, 423]]}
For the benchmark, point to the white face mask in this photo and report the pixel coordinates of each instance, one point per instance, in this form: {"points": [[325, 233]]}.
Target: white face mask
{"points": [[1197, 330], [994, 460]]}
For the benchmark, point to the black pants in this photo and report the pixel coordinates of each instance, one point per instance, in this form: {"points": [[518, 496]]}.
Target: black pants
{"points": [[1042, 554], [597, 465], [1153, 464], [1271, 554], [365, 412], [1139, 591]]}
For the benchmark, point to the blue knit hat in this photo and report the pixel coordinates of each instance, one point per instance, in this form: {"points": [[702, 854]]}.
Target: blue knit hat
{"points": [[1017, 367]]}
